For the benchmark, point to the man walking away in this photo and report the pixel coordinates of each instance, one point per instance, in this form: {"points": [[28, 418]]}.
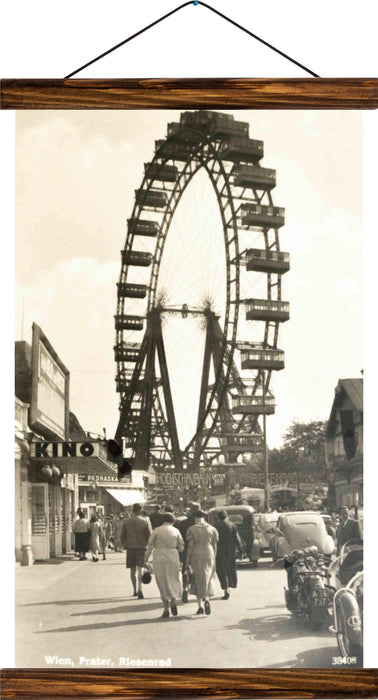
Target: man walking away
{"points": [[348, 529], [135, 534], [156, 517]]}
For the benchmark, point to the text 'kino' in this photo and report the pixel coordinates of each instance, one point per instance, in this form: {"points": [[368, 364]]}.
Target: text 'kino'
{"points": [[64, 449]]}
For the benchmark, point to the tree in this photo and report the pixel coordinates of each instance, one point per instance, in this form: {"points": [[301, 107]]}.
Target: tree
{"points": [[306, 437], [302, 451], [283, 459]]}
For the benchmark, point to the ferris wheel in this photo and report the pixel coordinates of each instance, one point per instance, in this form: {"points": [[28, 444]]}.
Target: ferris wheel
{"points": [[211, 265]]}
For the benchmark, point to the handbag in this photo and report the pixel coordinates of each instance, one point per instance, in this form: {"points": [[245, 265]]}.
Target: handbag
{"points": [[146, 577], [147, 574]]}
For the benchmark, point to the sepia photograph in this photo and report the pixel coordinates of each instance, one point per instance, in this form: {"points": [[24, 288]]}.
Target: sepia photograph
{"points": [[189, 370]]}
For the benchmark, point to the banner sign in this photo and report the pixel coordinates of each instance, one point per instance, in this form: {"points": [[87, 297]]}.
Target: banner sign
{"points": [[244, 477], [186, 479]]}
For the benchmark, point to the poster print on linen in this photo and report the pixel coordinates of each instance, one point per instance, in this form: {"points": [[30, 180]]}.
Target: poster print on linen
{"points": [[208, 233]]}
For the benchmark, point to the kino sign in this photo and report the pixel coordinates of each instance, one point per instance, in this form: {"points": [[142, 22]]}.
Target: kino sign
{"points": [[41, 450]]}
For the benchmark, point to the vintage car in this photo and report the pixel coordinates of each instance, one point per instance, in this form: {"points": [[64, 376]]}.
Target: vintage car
{"points": [[298, 530], [265, 529], [243, 517], [348, 619]]}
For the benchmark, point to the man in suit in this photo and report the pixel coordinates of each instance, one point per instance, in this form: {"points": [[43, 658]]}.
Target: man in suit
{"points": [[135, 534], [348, 529], [156, 517]]}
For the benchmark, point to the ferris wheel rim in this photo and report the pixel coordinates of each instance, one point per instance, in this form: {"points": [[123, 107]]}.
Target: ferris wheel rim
{"points": [[205, 141]]}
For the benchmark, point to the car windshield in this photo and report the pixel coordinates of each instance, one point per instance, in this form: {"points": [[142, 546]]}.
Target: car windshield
{"points": [[236, 518]]}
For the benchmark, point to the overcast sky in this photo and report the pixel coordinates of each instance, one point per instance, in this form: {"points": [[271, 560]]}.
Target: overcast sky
{"points": [[76, 173]]}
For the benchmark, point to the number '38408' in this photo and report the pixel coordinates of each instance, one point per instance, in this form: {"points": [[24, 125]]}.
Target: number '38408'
{"points": [[340, 660]]}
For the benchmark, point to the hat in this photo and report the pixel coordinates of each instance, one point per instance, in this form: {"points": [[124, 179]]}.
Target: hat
{"points": [[194, 505], [200, 514], [146, 578]]}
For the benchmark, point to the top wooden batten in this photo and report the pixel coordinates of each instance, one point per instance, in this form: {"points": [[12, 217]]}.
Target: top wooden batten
{"points": [[202, 93]]}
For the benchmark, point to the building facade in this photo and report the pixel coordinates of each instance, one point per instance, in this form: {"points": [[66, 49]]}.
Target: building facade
{"points": [[344, 444], [46, 495], [58, 466]]}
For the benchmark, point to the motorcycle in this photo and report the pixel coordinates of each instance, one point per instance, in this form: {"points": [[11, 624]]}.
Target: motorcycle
{"points": [[308, 595]]}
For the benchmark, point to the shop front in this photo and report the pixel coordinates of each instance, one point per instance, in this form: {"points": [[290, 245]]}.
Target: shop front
{"points": [[108, 495], [55, 467]]}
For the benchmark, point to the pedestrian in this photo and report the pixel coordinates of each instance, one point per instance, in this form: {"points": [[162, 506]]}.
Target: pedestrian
{"points": [[94, 542], [107, 531], [166, 543], [330, 529], [348, 529], [183, 526], [81, 532], [202, 541], [228, 545], [135, 534], [102, 538], [77, 517], [117, 529], [156, 517]]}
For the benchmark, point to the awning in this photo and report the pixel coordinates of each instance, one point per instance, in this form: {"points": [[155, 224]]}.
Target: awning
{"points": [[127, 496]]}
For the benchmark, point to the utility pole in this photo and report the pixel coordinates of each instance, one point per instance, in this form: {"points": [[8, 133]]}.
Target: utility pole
{"points": [[266, 465], [266, 457]]}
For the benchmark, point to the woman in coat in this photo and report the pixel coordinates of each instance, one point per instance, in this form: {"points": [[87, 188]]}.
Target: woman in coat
{"points": [[102, 536], [95, 531], [228, 545], [166, 542], [81, 532], [202, 548]]}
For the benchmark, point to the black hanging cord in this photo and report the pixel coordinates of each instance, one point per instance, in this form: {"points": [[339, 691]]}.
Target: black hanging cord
{"points": [[129, 39], [239, 26], [185, 4]]}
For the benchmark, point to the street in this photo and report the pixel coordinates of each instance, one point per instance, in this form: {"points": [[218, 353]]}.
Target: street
{"points": [[82, 614]]}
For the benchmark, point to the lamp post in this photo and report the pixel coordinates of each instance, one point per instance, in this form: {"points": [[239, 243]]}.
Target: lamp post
{"points": [[266, 456], [266, 466]]}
